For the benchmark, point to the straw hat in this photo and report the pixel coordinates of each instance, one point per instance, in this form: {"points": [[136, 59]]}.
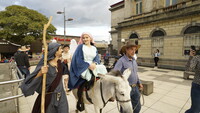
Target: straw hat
{"points": [[23, 48], [131, 44], [123, 49]]}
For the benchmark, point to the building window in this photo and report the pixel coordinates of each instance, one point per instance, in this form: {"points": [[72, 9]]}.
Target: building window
{"points": [[133, 39], [158, 33], [170, 2], [191, 37], [157, 41], [138, 7]]}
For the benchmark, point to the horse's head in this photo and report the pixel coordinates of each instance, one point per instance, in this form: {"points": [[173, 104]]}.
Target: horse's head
{"points": [[122, 88]]}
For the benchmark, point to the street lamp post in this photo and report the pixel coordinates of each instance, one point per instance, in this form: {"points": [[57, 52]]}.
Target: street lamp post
{"points": [[69, 19]]}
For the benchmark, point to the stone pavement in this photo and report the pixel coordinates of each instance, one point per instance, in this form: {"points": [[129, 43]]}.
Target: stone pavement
{"points": [[171, 94]]}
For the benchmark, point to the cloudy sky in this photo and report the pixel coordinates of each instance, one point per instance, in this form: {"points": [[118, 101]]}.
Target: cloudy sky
{"points": [[89, 15]]}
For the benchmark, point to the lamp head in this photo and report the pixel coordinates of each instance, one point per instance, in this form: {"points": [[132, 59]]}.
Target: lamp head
{"points": [[60, 12], [70, 19]]}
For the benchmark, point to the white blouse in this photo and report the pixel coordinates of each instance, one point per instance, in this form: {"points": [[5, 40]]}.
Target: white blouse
{"points": [[89, 53]]}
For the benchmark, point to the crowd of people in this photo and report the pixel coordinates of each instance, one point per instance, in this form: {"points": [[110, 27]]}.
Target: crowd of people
{"points": [[5, 60], [80, 70]]}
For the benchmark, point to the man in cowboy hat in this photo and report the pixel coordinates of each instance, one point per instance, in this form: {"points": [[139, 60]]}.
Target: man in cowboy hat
{"points": [[22, 61], [128, 61]]}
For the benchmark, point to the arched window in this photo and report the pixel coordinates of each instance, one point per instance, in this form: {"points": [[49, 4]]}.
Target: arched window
{"points": [[133, 35], [158, 33], [157, 40], [192, 29], [191, 37], [133, 38]]}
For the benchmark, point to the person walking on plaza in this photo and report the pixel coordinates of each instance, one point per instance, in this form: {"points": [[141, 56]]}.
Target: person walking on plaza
{"points": [[55, 98], [194, 65], [128, 61], [22, 61], [156, 57], [66, 59]]}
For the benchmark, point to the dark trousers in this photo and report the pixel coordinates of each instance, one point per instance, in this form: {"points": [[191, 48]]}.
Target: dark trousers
{"points": [[195, 99], [24, 70], [106, 61], [156, 59]]}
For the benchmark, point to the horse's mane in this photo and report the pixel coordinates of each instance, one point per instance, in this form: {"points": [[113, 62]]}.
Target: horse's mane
{"points": [[115, 73]]}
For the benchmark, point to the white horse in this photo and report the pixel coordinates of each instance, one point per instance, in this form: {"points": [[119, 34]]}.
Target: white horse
{"points": [[111, 85]]}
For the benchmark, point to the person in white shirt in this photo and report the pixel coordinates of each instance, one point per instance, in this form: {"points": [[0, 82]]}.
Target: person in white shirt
{"points": [[156, 57]]}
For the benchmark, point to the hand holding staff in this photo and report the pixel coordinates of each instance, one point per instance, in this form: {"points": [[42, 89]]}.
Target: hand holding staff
{"points": [[45, 64]]}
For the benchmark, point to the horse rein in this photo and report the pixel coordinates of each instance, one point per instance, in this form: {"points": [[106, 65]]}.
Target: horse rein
{"points": [[141, 94], [121, 101], [103, 100]]}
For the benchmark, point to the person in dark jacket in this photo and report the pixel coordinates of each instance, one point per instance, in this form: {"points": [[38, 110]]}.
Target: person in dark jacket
{"points": [[22, 61], [194, 65]]}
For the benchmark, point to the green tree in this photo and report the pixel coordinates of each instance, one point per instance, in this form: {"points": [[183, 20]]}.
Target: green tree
{"points": [[22, 25]]}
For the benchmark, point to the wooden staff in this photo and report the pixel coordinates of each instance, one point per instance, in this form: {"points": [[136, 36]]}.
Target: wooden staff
{"points": [[45, 64]]}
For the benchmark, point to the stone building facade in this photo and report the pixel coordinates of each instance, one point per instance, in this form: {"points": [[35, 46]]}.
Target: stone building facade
{"points": [[171, 26]]}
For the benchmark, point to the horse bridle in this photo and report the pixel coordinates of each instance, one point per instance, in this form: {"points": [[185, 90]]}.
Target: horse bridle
{"points": [[117, 99], [101, 90], [121, 101]]}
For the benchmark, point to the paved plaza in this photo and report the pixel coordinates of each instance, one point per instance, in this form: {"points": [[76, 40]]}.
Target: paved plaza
{"points": [[171, 94]]}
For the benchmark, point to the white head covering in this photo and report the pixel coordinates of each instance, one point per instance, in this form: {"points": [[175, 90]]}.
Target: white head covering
{"points": [[86, 33]]}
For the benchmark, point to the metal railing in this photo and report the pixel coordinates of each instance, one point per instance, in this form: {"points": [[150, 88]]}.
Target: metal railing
{"points": [[11, 97], [10, 82], [16, 78]]}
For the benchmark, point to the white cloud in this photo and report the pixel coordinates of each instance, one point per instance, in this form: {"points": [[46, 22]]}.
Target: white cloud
{"points": [[89, 15], [99, 33]]}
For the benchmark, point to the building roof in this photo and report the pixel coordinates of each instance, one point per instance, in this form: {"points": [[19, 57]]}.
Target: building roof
{"points": [[117, 6], [118, 3], [8, 47]]}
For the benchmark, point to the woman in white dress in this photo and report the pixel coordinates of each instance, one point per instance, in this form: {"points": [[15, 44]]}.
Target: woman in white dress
{"points": [[85, 66], [85, 60]]}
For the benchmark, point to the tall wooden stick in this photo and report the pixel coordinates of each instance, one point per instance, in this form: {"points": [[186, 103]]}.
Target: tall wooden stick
{"points": [[45, 64]]}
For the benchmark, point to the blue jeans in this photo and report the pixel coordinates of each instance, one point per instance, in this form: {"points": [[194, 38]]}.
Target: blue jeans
{"points": [[24, 70], [195, 99], [135, 99]]}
